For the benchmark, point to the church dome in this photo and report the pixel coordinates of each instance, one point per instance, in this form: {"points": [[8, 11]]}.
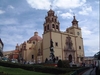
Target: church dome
{"points": [[16, 51], [15, 54], [35, 37]]}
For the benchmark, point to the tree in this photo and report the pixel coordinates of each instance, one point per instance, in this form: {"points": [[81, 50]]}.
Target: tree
{"points": [[65, 64], [59, 64]]}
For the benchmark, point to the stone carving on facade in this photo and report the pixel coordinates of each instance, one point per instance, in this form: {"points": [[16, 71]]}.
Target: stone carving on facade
{"points": [[68, 43], [69, 50]]}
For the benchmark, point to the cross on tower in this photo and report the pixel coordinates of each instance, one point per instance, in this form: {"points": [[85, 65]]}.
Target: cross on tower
{"points": [[50, 6], [73, 14]]}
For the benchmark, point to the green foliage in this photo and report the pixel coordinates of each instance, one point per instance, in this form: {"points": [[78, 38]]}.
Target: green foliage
{"points": [[63, 64], [36, 68], [40, 68], [18, 71], [52, 70], [59, 64], [16, 65], [3, 73]]}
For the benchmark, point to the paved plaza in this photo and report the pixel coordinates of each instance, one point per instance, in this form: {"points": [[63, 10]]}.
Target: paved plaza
{"points": [[90, 72]]}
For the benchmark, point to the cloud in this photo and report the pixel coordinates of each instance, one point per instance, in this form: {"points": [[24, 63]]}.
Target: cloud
{"points": [[10, 6], [17, 33], [70, 10], [91, 45], [11, 41], [66, 15], [97, 2], [90, 51], [91, 41], [85, 10], [86, 31], [39, 4], [58, 12], [1, 11], [8, 21], [64, 4]]}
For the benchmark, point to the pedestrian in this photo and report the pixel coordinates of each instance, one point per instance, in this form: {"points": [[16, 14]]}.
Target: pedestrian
{"points": [[96, 69]]}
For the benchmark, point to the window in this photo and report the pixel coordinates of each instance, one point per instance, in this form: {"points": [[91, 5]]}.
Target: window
{"points": [[71, 33], [78, 33], [79, 47], [81, 59], [56, 26], [24, 47], [33, 42], [30, 48], [48, 27], [52, 19], [32, 56], [56, 43], [53, 26], [55, 20]]}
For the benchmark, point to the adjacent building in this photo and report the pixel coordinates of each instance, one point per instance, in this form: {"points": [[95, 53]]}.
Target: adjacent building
{"points": [[67, 45], [89, 60]]}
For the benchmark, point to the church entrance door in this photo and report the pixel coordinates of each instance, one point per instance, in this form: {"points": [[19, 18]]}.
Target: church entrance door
{"points": [[70, 58]]}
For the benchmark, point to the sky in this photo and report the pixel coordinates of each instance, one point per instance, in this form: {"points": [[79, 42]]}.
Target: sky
{"points": [[19, 19]]}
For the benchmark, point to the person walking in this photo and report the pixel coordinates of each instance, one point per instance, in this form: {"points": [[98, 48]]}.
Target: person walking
{"points": [[96, 68]]}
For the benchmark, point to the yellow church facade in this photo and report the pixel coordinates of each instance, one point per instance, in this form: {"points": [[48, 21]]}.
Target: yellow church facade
{"points": [[67, 45]]}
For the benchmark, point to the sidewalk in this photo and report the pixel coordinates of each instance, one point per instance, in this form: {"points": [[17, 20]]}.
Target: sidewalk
{"points": [[89, 72]]}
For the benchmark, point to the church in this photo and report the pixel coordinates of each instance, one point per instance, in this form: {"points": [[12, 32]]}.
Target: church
{"points": [[66, 45]]}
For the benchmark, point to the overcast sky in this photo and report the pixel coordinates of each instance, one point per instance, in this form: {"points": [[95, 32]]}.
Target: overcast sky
{"points": [[19, 19]]}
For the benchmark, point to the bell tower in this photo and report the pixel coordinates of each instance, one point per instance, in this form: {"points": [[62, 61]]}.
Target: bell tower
{"points": [[76, 31], [51, 23], [74, 22], [51, 29]]}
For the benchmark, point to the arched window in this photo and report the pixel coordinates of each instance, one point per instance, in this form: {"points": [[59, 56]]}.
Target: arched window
{"points": [[52, 19], [53, 26], [48, 27], [70, 58], [55, 20], [56, 26], [32, 56]]}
